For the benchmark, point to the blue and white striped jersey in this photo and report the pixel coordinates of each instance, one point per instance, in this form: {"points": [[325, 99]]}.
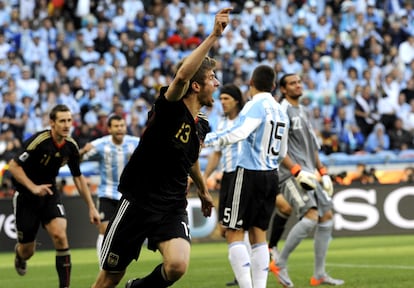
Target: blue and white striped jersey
{"points": [[229, 153], [112, 160], [263, 127]]}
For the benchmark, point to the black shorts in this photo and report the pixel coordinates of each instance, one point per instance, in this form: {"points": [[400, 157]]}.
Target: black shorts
{"points": [[30, 211], [225, 185], [129, 228], [106, 208], [251, 200]]}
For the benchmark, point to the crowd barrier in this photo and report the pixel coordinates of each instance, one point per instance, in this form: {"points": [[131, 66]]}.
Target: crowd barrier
{"points": [[359, 211]]}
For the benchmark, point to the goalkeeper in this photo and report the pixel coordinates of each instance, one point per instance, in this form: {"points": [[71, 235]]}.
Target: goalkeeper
{"points": [[301, 192]]}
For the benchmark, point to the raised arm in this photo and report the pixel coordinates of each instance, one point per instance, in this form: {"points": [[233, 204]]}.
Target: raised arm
{"points": [[193, 62]]}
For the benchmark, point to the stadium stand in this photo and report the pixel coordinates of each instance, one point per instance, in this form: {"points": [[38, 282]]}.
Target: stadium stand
{"points": [[355, 57]]}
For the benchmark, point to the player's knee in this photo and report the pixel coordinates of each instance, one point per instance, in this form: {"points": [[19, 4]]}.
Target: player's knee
{"points": [[174, 270], [327, 216], [283, 206], [312, 214], [59, 238], [285, 210]]}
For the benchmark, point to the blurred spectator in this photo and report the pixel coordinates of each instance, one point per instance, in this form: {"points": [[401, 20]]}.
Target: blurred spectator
{"points": [[130, 84], [300, 27], [328, 109], [132, 7], [26, 85], [378, 140], [101, 42], [387, 110], [329, 140], [84, 134], [351, 140], [132, 54], [409, 175], [403, 108], [4, 46], [400, 139], [9, 145], [89, 54], [352, 80], [13, 116], [119, 21], [290, 64], [357, 61], [35, 51], [326, 83], [366, 111], [77, 70], [408, 90], [258, 30], [391, 86], [362, 175], [139, 115], [146, 90], [301, 51], [114, 53], [316, 119], [67, 98], [406, 50]]}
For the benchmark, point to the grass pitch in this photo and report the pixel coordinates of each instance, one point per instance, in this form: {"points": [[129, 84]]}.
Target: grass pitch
{"points": [[380, 261]]}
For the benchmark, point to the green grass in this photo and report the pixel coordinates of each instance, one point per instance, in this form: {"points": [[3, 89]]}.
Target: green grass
{"points": [[386, 261]]}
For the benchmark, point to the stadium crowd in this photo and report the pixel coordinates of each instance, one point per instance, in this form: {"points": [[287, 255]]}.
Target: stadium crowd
{"points": [[356, 60]]}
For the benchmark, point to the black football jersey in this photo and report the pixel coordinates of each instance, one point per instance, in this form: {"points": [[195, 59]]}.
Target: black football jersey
{"points": [[41, 159], [158, 170]]}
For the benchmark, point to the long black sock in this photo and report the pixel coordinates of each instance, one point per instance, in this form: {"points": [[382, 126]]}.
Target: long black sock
{"points": [[153, 280], [63, 267], [278, 227]]}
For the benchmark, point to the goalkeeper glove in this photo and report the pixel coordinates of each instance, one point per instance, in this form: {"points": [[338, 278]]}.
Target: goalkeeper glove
{"points": [[326, 180], [305, 179]]}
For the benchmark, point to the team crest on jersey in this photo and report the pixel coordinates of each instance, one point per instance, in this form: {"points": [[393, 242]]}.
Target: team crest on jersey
{"points": [[113, 259], [23, 157]]}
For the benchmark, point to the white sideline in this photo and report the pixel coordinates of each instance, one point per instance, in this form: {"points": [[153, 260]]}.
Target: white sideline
{"points": [[370, 266]]}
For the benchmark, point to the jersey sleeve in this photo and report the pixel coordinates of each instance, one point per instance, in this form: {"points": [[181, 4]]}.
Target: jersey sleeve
{"points": [[74, 161]]}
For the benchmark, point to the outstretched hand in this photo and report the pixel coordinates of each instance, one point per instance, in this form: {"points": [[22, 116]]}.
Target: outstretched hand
{"points": [[94, 216], [206, 203], [221, 20]]}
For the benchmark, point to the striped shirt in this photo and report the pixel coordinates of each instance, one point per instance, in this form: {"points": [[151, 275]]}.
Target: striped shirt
{"points": [[112, 160], [229, 153], [262, 128]]}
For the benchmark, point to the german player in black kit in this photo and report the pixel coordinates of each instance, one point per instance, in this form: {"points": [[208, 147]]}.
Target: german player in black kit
{"points": [[154, 181], [37, 201]]}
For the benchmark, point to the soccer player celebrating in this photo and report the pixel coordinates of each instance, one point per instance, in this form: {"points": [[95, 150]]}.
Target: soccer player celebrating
{"points": [[37, 200], [154, 182], [113, 152], [310, 200]]}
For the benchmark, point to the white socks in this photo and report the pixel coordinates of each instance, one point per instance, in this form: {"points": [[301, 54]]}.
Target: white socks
{"points": [[260, 264], [249, 269], [240, 262]]}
